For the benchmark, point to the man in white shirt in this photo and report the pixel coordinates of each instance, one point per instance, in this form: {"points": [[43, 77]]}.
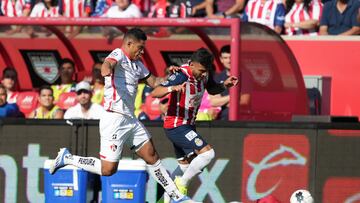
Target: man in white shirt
{"points": [[122, 70], [85, 109]]}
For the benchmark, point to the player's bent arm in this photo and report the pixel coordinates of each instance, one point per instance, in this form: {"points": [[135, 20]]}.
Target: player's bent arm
{"points": [[161, 91], [107, 67], [218, 100]]}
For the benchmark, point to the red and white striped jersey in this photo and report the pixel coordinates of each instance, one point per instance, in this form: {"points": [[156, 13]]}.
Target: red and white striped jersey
{"points": [[14, 8], [271, 13], [183, 106], [40, 10], [298, 13], [73, 8]]}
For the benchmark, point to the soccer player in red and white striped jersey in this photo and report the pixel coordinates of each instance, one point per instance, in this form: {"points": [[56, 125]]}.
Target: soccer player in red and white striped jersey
{"points": [[185, 89], [267, 12], [303, 17]]}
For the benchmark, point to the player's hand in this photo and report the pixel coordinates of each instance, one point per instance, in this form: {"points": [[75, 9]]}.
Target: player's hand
{"points": [[173, 69], [231, 81]]}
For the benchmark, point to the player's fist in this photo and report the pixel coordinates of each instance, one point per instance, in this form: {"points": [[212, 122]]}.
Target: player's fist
{"points": [[231, 81]]}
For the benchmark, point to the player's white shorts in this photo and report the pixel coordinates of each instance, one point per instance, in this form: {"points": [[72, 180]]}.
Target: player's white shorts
{"points": [[115, 131]]}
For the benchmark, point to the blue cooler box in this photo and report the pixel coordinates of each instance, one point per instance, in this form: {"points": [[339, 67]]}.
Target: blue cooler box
{"points": [[69, 184], [127, 185]]}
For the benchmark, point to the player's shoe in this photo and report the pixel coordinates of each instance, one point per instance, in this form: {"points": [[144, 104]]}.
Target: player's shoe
{"points": [[59, 160], [182, 188], [185, 199]]}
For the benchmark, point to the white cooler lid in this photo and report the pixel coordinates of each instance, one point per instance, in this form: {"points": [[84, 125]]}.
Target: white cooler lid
{"points": [[132, 165]]}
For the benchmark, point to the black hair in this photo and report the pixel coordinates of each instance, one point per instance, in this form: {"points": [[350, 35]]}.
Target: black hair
{"points": [[225, 49], [204, 57], [66, 60], [10, 72], [289, 4], [136, 33], [46, 87]]}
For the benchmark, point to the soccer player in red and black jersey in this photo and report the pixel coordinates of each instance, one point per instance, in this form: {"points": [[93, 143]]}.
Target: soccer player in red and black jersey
{"points": [[185, 89]]}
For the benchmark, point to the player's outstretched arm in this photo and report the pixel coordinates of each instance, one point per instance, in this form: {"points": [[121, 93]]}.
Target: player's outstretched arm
{"points": [[214, 88], [161, 91]]}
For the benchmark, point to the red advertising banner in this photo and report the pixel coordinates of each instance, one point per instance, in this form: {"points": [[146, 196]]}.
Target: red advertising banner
{"points": [[342, 189], [274, 164]]}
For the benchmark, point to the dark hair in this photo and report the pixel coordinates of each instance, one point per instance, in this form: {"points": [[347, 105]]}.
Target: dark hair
{"points": [[204, 57], [66, 60], [46, 87], [225, 49], [289, 4], [135, 33], [10, 72]]}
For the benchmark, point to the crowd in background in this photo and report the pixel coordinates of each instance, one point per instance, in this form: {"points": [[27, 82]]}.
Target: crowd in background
{"points": [[70, 99], [290, 17]]}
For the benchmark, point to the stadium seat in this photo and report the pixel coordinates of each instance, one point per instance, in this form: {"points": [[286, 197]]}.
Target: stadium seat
{"points": [[27, 102], [67, 100]]}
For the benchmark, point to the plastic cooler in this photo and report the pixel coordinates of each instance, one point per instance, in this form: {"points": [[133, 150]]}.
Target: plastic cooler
{"points": [[128, 184], [69, 184]]}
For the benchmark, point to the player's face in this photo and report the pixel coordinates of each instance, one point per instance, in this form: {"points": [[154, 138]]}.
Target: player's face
{"points": [[67, 71], [83, 97], [9, 83], [46, 98], [226, 60], [198, 70], [136, 49], [2, 96]]}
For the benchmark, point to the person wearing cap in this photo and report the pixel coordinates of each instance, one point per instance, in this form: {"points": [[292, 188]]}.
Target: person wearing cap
{"points": [[10, 82], [47, 109], [85, 109]]}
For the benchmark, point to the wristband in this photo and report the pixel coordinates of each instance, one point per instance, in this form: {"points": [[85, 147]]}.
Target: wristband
{"points": [[169, 89]]}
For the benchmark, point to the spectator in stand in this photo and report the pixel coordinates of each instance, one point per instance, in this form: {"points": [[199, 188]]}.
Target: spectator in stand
{"points": [[46, 9], [85, 109], [73, 9], [98, 83], [16, 8], [11, 83], [46, 109], [67, 72], [224, 8], [302, 17], [339, 18], [222, 100], [267, 12], [121, 9], [6, 109], [101, 7]]}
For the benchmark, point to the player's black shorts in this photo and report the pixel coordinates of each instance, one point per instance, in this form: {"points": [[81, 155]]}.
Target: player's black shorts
{"points": [[185, 140]]}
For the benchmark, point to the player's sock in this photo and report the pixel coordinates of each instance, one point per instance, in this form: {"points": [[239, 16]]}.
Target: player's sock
{"points": [[196, 166], [90, 164], [179, 171], [159, 173]]}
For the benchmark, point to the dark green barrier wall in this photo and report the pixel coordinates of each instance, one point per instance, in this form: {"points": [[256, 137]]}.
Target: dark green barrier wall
{"points": [[252, 159]]}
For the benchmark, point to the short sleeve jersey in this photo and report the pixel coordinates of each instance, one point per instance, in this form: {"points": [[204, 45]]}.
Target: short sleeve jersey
{"points": [[121, 86]]}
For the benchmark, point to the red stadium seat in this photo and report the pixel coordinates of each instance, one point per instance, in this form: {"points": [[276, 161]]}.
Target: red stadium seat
{"points": [[67, 100], [27, 101]]}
